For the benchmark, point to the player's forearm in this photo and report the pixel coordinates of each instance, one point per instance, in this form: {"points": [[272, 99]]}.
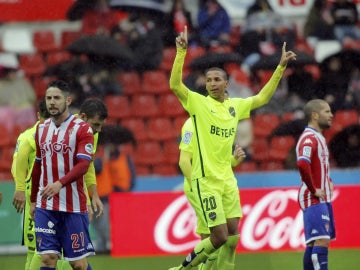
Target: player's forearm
{"points": [[93, 190], [90, 176], [266, 93], [176, 84], [35, 178], [76, 172], [305, 173], [235, 162]]}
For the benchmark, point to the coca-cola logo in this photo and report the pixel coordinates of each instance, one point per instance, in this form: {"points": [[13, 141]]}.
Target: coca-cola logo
{"points": [[175, 229], [268, 222], [272, 222]]}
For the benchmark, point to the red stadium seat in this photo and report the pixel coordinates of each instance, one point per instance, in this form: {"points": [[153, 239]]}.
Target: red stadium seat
{"points": [[144, 106], [192, 53], [143, 170], [264, 124], [272, 166], [6, 157], [118, 106], [57, 57], [346, 118], [239, 75], [148, 153], [155, 82], [32, 64], [280, 147], [5, 136], [246, 167], [68, 36], [40, 84], [169, 54], [179, 121], [130, 82], [166, 169], [260, 149], [137, 126], [341, 120], [45, 41], [160, 129], [171, 151], [170, 105]]}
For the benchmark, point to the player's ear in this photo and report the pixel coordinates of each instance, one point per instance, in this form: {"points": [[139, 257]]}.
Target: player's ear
{"points": [[82, 116], [68, 100]]}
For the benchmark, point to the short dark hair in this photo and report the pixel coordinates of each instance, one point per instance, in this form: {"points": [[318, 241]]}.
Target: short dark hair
{"points": [[314, 105], [225, 75], [44, 113], [60, 84], [94, 106]]}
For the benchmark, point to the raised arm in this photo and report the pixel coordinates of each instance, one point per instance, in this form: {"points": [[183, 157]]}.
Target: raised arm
{"points": [[176, 84], [264, 96]]}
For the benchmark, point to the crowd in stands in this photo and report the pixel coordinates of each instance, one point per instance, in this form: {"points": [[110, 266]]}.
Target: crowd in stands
{"points": [[137, 94]]}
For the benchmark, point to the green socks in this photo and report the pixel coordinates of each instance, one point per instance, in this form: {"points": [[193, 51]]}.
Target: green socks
{"points": [[200, 253], [29, 257], [226, 258]]}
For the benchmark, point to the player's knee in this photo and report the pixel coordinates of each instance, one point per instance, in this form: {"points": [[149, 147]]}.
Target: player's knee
{"points": [[79, 265], [49, 260]]}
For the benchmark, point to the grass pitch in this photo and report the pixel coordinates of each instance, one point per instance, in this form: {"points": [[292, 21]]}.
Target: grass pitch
{"points": [[348, 259]]}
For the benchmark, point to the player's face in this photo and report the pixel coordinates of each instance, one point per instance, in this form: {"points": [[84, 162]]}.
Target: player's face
{"points": [[56, 102], [325, 116], [216, 84], [96, 123]]}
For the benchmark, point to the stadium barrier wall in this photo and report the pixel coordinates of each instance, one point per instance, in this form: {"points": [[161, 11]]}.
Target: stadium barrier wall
{"points": [[11, 221]]}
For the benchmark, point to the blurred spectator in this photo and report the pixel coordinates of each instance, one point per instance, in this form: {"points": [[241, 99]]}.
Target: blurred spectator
{"points": [[259, 6], [99, 82], [300, 88], [345, 16], [96, 16], [196, 81], [115, 172], [332, 86], [319, 24], [264, 32], [17, 96], [353, 96], [175, 21], [213, 24], [144, 38]]}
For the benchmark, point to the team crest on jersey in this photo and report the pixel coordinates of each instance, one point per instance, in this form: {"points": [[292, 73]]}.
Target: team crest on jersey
{"points": [[90, 130], [212, 216], [30, 237], [89, 148], [187, 137], [307, 151], [232, 111]]}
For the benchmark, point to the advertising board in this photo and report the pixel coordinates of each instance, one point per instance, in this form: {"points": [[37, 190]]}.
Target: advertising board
{"points": [[160, 223]]}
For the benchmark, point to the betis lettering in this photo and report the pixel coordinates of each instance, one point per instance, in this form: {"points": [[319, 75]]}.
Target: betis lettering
{"points": [[222, 132]]}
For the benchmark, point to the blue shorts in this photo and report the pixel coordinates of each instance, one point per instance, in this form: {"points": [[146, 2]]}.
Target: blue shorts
{"points": [[319, 222], [63, 233]]}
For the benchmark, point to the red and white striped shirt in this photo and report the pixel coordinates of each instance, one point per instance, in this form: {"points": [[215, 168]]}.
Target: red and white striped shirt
{"points": [[312, 148], [58, 149]]}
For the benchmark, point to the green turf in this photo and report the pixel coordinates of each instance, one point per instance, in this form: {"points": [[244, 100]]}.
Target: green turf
{"points": [[338, 260]]}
